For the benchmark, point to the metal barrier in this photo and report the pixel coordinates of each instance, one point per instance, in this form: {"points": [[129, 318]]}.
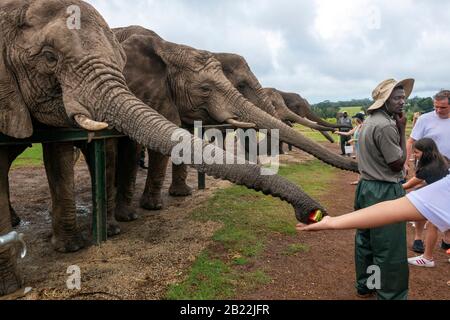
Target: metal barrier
{"points": [[12, 238], [96, 148]]}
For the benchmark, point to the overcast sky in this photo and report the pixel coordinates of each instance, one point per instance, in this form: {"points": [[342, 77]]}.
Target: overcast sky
{"points": [[322, 49]]}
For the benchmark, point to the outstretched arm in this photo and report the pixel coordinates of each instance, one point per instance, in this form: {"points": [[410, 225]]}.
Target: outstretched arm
{"points": [[376, 216], [346, 134], [414, 182]]}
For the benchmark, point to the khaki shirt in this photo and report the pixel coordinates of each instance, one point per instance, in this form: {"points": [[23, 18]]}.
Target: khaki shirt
{"points": [[379, 145]]}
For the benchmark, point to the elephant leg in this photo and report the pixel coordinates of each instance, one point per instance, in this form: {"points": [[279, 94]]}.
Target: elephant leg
{"points": [[59, 166], [113, 227], [281, 151], [179, 188], [14, 152], [10, 277], [248, 142], [157, 166], [126, 171]]}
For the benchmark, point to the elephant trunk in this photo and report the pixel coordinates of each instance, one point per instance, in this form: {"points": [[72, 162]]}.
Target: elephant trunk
{"points": [[313, 117], [249, 113], [290, 116], [264, 103], [140, 122], [327, 136]]}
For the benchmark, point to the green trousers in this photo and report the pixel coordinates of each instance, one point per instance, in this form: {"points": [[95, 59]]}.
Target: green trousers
{"points": [[385, 247]]}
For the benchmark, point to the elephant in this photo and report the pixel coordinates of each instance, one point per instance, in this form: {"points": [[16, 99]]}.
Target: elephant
{"points": [[300, 106], [288, 115], [62, 76], [181, 77], [238, 72]]}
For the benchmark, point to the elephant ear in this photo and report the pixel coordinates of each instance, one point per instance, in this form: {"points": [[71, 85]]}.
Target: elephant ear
{"points": [[145, 68], [15, 119]]}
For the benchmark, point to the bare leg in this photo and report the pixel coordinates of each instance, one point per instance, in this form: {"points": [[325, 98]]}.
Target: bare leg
{"points": [[418, 231], [430, 241], [179, 188], [157, 166], [128, 152], [59, 163]]}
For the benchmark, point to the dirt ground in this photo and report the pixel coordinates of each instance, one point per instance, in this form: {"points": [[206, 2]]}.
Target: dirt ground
{"points": [[157, 249]]}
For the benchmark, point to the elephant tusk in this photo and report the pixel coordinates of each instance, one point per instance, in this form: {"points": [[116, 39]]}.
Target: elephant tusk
{"points": [[241, 125], [88, 124]]}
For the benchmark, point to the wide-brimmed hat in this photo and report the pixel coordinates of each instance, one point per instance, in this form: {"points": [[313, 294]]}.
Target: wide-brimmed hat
{"points": [[384, 90]]}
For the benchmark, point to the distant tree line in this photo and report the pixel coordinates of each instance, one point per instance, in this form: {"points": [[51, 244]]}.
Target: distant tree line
{"points": [[328, 109], [422, 105]]}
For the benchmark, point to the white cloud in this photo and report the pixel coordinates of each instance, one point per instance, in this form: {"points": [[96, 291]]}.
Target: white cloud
{"points": [[323, 49]]}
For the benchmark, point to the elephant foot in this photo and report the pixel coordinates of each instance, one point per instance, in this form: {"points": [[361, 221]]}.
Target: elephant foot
{"points": [[125, 213], [153, 202], [15, 219], [10, 282], [113, 229], [71, 244], [180, 190]]}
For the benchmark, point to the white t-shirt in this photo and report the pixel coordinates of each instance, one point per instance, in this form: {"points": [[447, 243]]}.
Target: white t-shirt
{"points": [[433, 202], [431, 126]]}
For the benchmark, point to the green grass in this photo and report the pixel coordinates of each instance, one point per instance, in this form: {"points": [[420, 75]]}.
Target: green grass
{"points": [[249, 219], [31, 157], [313, 134], [296, 248]]}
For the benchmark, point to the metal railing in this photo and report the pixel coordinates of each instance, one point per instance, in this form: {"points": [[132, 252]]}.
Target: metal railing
{"points": [[96, 149]]}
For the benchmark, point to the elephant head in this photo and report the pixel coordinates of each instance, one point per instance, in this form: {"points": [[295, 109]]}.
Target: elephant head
{"points": [[238, 72], [288, 116], [201, 91], [301, 107], [73, 77]]}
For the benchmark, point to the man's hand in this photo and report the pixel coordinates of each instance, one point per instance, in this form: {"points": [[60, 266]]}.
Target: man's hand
{"points": [[401, 121], [406, 168]]}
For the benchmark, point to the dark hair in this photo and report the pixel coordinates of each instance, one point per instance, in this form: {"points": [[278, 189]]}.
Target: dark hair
{"points": [[443, 94], [400, 87], [430, 154]]}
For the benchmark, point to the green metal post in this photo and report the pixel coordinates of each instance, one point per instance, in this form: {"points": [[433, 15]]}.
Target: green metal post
{"points": [[201, 176], [99, 210]]}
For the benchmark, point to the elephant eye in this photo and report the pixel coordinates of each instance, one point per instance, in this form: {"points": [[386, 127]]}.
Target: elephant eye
{"points": [[51, 58], [241, 86], [205, 88]]}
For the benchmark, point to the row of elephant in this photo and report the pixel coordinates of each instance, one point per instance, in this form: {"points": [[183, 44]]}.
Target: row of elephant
{"points": [[134, 81]]}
